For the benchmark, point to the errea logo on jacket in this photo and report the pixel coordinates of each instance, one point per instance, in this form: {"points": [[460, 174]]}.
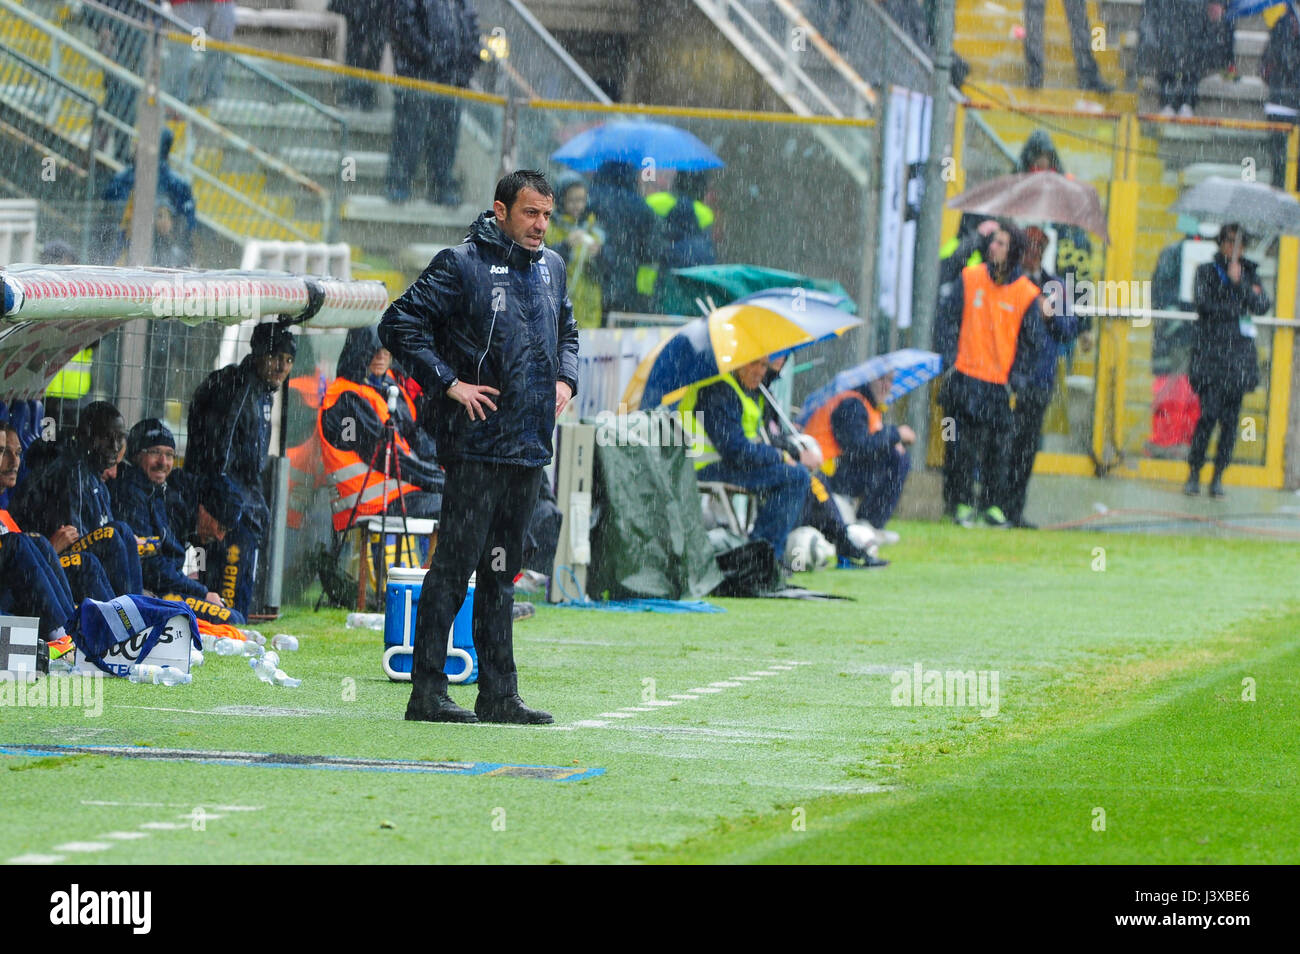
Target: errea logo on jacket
{"points": [[500, 270]]}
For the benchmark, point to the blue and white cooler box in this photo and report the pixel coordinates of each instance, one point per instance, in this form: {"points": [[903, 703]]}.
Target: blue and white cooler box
{"points": [[401, 601]]}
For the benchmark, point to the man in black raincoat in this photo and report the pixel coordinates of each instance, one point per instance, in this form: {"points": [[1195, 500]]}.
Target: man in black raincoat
{"points": [[230, 435], [1225, 365], [488, 332]]}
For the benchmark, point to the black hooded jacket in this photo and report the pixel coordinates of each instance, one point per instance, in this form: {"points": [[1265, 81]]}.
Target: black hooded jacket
{"points": [[1223, 358], [144, 505], [366, 427], [489, 312], [67, 490], [230, 433]]}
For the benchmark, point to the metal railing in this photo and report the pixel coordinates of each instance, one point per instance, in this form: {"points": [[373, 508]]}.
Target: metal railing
{"points": [[32, 99], [228, 209], [536, 66], [802, 68]]}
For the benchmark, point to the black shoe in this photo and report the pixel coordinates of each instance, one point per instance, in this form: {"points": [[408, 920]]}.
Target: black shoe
{"points": [[1193, 487], [1096, 84], [440, 708], [521, 610], [1020, 523], [1216, 488], [510, 710]]}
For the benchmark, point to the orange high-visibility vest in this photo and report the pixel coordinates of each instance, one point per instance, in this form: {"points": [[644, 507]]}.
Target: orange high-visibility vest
{"points": [[819, 425], [9, 521], [346, 468], [990, 324]]}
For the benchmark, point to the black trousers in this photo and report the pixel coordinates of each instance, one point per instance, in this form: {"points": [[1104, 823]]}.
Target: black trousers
{"points": [[1221, 407], [424, 126], [1027, 433], [485, 513], [982, 417], [1076, 13]]}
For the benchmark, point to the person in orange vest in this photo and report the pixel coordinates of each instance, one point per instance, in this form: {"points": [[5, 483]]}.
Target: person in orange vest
{"points": [[350, 427], [863, 457], [989, 327]]}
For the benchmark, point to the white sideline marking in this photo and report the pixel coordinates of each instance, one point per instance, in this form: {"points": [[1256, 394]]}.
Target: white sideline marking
{"points": [[125, 835], [164, 826], [206, 816], [86, 846], [35, 860], [652, 705]]}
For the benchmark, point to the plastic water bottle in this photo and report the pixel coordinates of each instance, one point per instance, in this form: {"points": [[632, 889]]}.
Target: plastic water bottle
{"points": [[365, 621], [209, 642], [170, 676], [229, 647], [143, 672], [253, 636], [251, 648], [260, 669], [271, 659], [284, 643], [196, 657], [282, 678]]}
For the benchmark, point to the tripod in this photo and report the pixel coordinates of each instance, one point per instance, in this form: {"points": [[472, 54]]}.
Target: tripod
{"points": [[392, 470]]}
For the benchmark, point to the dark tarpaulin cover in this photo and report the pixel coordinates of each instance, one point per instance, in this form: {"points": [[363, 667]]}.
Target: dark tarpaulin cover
{"points": [[649, 538]]}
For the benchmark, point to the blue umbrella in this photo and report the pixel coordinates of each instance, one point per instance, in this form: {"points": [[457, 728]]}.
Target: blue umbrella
{"points": [[911, 367], [628, 141], [794, 296]]}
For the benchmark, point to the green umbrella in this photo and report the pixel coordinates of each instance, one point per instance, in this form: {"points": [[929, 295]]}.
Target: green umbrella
{"points": [[725, 283]]}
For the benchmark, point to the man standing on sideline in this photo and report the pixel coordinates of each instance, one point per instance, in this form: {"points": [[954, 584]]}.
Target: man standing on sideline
{"points": [[230, 436], [488, 332]]}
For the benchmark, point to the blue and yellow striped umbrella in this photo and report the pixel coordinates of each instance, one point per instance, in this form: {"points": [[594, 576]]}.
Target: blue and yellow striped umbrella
{"points": [[734, 335]]}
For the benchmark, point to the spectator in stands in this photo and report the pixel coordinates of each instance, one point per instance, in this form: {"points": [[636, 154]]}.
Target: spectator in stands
{"points": [[66, 500], [989, 328], [438, 41], [230, 435], [1085, 65], [356, 406], [1225, 364], [632, 235], [578, 237], [139, 494], [209, 20], [120, 192], [367, 36], [686, 230], [1281, 69], [1035, 393], [1181, 41], [122, 40]]}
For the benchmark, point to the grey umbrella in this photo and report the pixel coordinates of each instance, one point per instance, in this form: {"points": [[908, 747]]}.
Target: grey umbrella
{"points": [[1254, 205]]}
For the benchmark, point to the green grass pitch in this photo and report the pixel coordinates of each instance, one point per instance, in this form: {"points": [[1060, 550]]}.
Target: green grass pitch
{"points": [[1145, 712]]}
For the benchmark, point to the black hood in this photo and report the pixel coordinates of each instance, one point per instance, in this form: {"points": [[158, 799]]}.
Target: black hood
{"points": [[615, 175], [486, 232], [358, 350], [1039, 144]]}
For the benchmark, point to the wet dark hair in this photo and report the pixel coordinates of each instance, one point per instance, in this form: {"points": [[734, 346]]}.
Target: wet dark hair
{"points": [[1232, 228], [1016, 243], [511, 185]]}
